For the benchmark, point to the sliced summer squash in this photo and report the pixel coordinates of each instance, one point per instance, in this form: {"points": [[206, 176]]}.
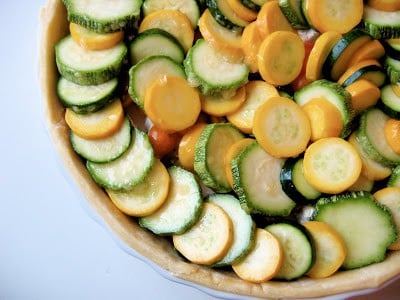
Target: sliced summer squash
{"points": [[242, 10], [339, 15], [292, 9], [280, 57], [319, 53], [389, 197], [371, 169], [225, 15], [297, 247], [155, 41], [392, 66], [174, 22], [256, 181], [104, 16], [209, 239], [146, 197], [105, 149], [386, 5], [392, 134], [394, 179], [209, 162], [257, 93], [364, 94], [182, 207], [281, 127], [295, 184], [381, 24], [369, 69], [371, 50], [243, 228], [223, 39], [342, 52], [330, 250], [92, 40], [390, 101], [171, 103], [263, 261], [86, 98], [187, 146], [188, 7], [331, 165], [233, 151], [367, 236], [88, 67], [96, 125], [372, 140], [142, 75], [117, 174], [333, 92], [250, 42], [220, 105], [325, 118], [204, 66], [271, 18]]}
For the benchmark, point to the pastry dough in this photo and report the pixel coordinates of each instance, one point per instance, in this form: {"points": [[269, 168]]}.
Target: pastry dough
{"points": [[159, 250]]}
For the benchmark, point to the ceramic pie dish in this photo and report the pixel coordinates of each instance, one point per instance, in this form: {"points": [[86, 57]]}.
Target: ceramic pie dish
{"points": [[159, 251]]}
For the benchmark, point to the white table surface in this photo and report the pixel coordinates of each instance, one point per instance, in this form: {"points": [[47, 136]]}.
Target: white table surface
{"points": [[49, 246]]}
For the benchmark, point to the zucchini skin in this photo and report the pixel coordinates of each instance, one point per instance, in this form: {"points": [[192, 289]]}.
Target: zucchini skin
{"points": [[358, 74], [392, 66], [125, 22], [342, 100], [340, 47], [294, 15], [90, 106], [94, 75], [288, 186]]}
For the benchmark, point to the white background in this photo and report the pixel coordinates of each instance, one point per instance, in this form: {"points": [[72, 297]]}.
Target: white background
{"points": [[49, 246]]}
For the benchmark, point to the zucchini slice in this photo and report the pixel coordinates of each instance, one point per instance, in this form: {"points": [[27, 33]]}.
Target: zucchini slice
{"points": [[84, 99], [366, 236], [372, 140], [256, 181], [182, 207], [211, 148], [394, 178], [243, 228], [340, 56], [333, 92], [104, 16], [298, 249], [155, 41], [389, 197], [204, 66], [106, 149], [146, 71], [88, 67], [117, 174], [225, 15], [381, 24], [368, 69], [189, 7], [390, 101], [292, 9], [393, 69], [294, 183], [146, 197]]}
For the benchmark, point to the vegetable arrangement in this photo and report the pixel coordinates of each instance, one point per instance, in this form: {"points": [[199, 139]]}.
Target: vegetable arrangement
{"points": [[255, 113]]}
